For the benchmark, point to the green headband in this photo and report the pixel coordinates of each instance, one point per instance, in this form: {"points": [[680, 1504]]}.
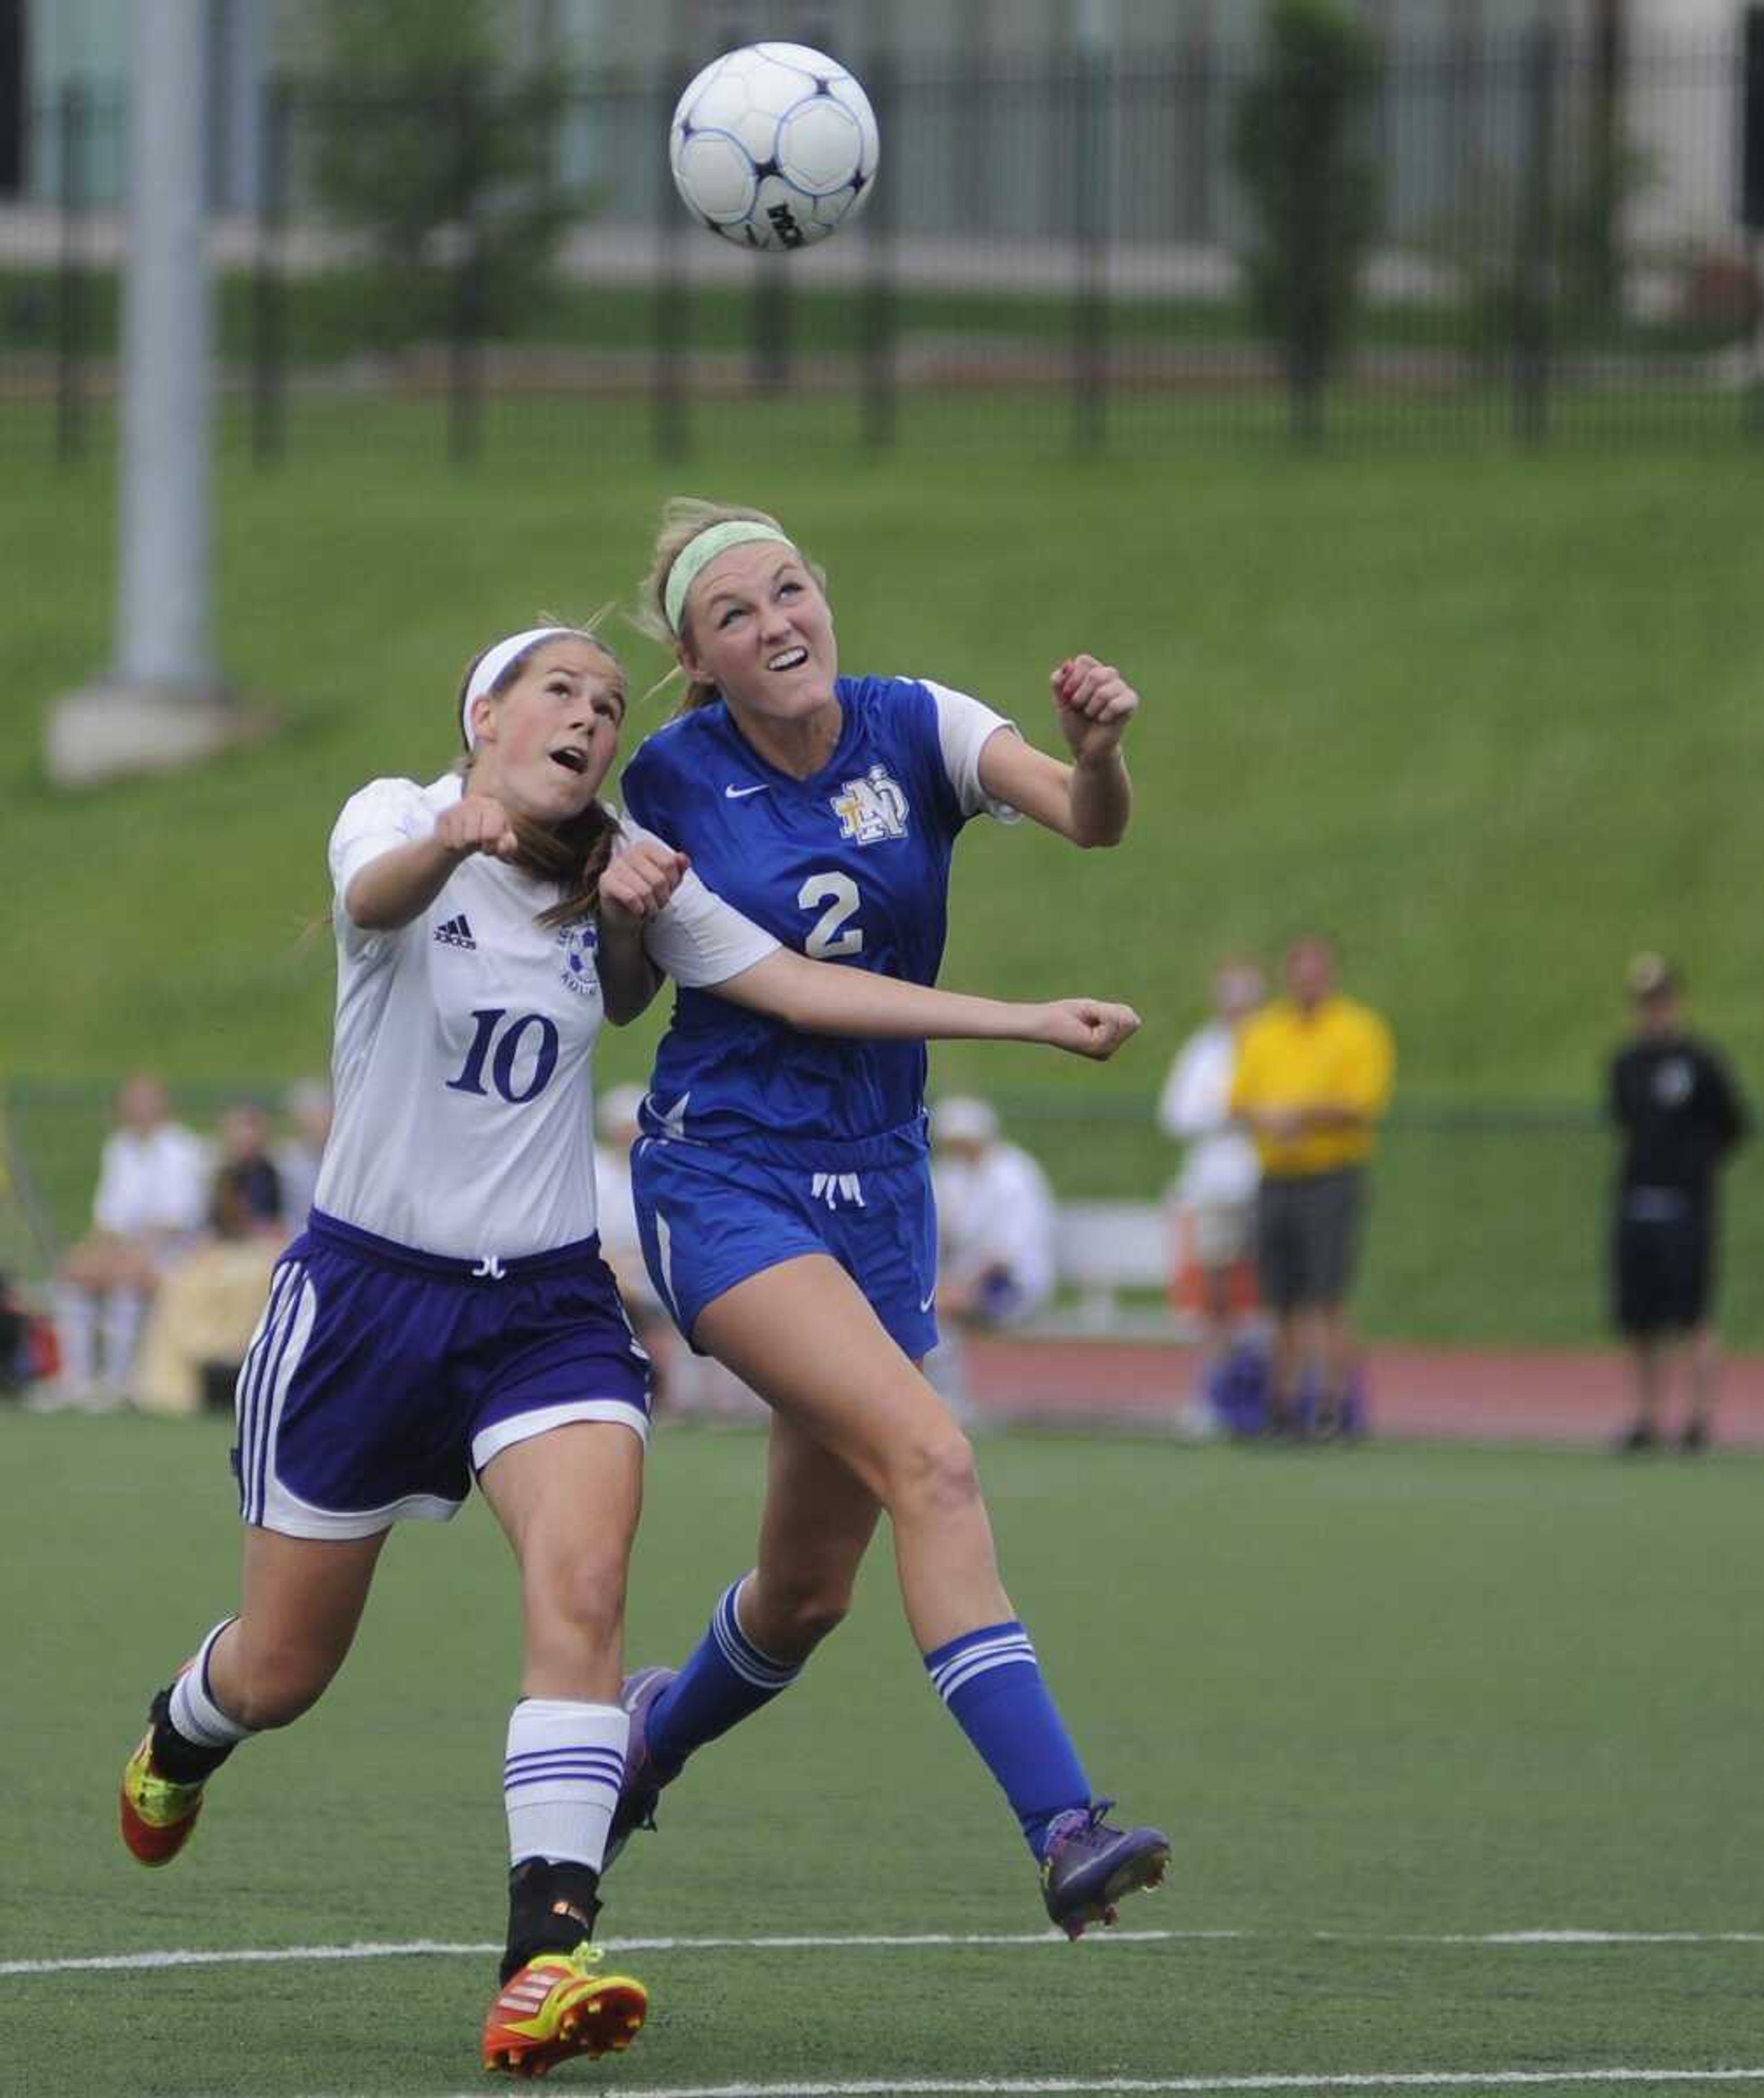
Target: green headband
{"points": [[713, 540]]}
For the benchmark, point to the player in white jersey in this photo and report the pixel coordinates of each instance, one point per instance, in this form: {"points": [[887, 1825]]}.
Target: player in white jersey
{"points": [[446, 1314], [782, 1184]]}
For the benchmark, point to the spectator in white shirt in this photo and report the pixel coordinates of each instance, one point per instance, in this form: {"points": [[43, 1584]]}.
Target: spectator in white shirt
{"points": [[150, 1209], [995, 1219], [298, 1158], [1213, 1196]]}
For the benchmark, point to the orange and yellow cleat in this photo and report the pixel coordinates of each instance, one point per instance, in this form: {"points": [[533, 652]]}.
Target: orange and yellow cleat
{"points": [[157, 1815], [559, 2007]]}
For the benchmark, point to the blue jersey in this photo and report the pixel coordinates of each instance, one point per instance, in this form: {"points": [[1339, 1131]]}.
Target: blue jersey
{"points": [[851, 865]]}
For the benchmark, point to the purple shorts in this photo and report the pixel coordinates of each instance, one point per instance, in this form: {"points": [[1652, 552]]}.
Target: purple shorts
{"points": [[380, 1381]]}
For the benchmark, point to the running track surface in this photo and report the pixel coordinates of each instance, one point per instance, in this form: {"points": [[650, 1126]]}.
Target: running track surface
{"points": [[1441, 1394]]}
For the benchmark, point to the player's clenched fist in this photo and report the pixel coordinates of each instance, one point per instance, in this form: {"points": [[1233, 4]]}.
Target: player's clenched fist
{"points": [[1087, 1027], [639, 882], [477, 824], [1093, 703]]}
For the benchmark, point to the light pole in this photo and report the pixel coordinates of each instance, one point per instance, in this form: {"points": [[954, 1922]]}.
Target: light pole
{"points": [[161, 703]]}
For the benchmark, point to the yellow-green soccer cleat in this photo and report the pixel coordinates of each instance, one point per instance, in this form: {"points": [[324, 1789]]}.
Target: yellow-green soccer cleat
{"points": [[558, 2007], [157, 1815]]}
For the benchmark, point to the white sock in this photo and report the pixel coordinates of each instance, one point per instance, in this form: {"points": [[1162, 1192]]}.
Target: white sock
{"points": [[76, 1330], [561, 1778], [194, 1713], [123, 1311]]}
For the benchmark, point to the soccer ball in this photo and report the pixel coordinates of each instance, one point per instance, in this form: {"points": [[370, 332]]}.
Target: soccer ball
{"points": [[774, 145]]}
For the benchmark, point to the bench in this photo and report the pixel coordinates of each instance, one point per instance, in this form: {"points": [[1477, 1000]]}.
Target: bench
{"points": [[1102, 1248]]}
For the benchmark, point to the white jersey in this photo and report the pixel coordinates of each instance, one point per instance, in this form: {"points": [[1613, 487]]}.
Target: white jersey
{"points": [[1220, 1165], [463, 1064]]}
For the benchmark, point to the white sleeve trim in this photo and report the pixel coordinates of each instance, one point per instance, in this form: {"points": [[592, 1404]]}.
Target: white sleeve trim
{"points": [[383, 815], [965, 726], [696, 938]]}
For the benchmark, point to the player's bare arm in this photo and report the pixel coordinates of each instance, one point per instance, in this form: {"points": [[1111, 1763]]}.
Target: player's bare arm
{"points": [[821, 998], [634, 889], [401, 884], [1341, 1114], [1089, 801]]}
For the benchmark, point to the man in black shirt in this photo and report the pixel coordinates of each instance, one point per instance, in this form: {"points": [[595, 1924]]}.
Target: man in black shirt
{"points": [[1680, 1114]]}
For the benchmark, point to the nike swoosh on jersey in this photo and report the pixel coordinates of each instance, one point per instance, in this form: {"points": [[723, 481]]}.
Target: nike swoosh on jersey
{"points": [[741, 794], [925, 1303]]}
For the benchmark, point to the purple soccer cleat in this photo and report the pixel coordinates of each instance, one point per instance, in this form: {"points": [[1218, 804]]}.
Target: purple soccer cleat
{"points": [[1088, 1866], [644, 1777]]}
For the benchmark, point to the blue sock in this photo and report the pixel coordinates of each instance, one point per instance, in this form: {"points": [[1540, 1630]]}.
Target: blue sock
{"points": [[992, 1681], [726, 1678]]}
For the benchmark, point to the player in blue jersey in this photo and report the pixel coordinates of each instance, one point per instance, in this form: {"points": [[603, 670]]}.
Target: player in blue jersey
{"points": [[446, 1314], [782, 1183]]}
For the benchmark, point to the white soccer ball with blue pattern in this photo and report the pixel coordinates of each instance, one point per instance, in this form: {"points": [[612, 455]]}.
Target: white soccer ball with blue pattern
{"points": [[774, 145]]}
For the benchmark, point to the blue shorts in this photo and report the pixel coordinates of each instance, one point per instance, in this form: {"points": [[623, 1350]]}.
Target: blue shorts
{"points": [[708, 1219], [381, 1379]]}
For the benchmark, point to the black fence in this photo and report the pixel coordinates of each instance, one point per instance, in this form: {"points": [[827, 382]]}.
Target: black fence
{"points": [[1489, 1222], [1511, 240]]}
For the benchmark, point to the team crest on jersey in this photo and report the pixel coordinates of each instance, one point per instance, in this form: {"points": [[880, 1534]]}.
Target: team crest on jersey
{"points": [[578, 974], [872, 809]]}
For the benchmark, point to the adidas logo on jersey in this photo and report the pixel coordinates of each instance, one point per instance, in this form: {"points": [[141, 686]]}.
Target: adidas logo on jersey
{"points": [[456, 932]]}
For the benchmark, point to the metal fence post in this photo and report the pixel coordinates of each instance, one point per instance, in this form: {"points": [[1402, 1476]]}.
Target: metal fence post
{"points": [[1750, 197], [1195, 87], [1310, 322], [1092, 208], [669, 407], [1534, 272], [268, 290], [877, 317], [465, 360], [70, 303], [772, 323]]}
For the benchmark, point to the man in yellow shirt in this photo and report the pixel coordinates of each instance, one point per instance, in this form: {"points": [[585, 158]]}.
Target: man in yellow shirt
{"points": [[1314, 1078]]}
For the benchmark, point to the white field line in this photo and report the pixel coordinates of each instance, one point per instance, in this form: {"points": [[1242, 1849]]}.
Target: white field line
{"points": [[1589, 1938], [1031, 2086], [418, 1947]]}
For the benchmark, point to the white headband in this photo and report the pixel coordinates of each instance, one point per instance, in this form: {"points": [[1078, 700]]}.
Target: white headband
{"points": [[491, 666], [713, 540]]}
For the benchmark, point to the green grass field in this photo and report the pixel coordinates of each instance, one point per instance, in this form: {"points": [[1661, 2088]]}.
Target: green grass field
{"points": [[1390, 1703], [1493, 717]]}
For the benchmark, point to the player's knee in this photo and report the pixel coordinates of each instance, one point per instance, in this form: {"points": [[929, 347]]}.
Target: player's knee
{"points": [[937, 1476], [578, 1606]]}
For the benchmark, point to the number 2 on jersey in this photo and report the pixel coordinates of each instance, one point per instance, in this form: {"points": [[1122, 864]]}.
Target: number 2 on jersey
{"points": [[831, 938]]}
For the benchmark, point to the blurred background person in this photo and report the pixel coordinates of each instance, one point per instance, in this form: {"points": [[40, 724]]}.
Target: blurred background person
{"points": [[1212, 1199], [246, 1189], [615, 1131], [208, 1307], [1680, 1115], [149, 1210], [996, 1236], [26, 1342], [1314, 1073], [307, 1113], [996, 1219]]}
